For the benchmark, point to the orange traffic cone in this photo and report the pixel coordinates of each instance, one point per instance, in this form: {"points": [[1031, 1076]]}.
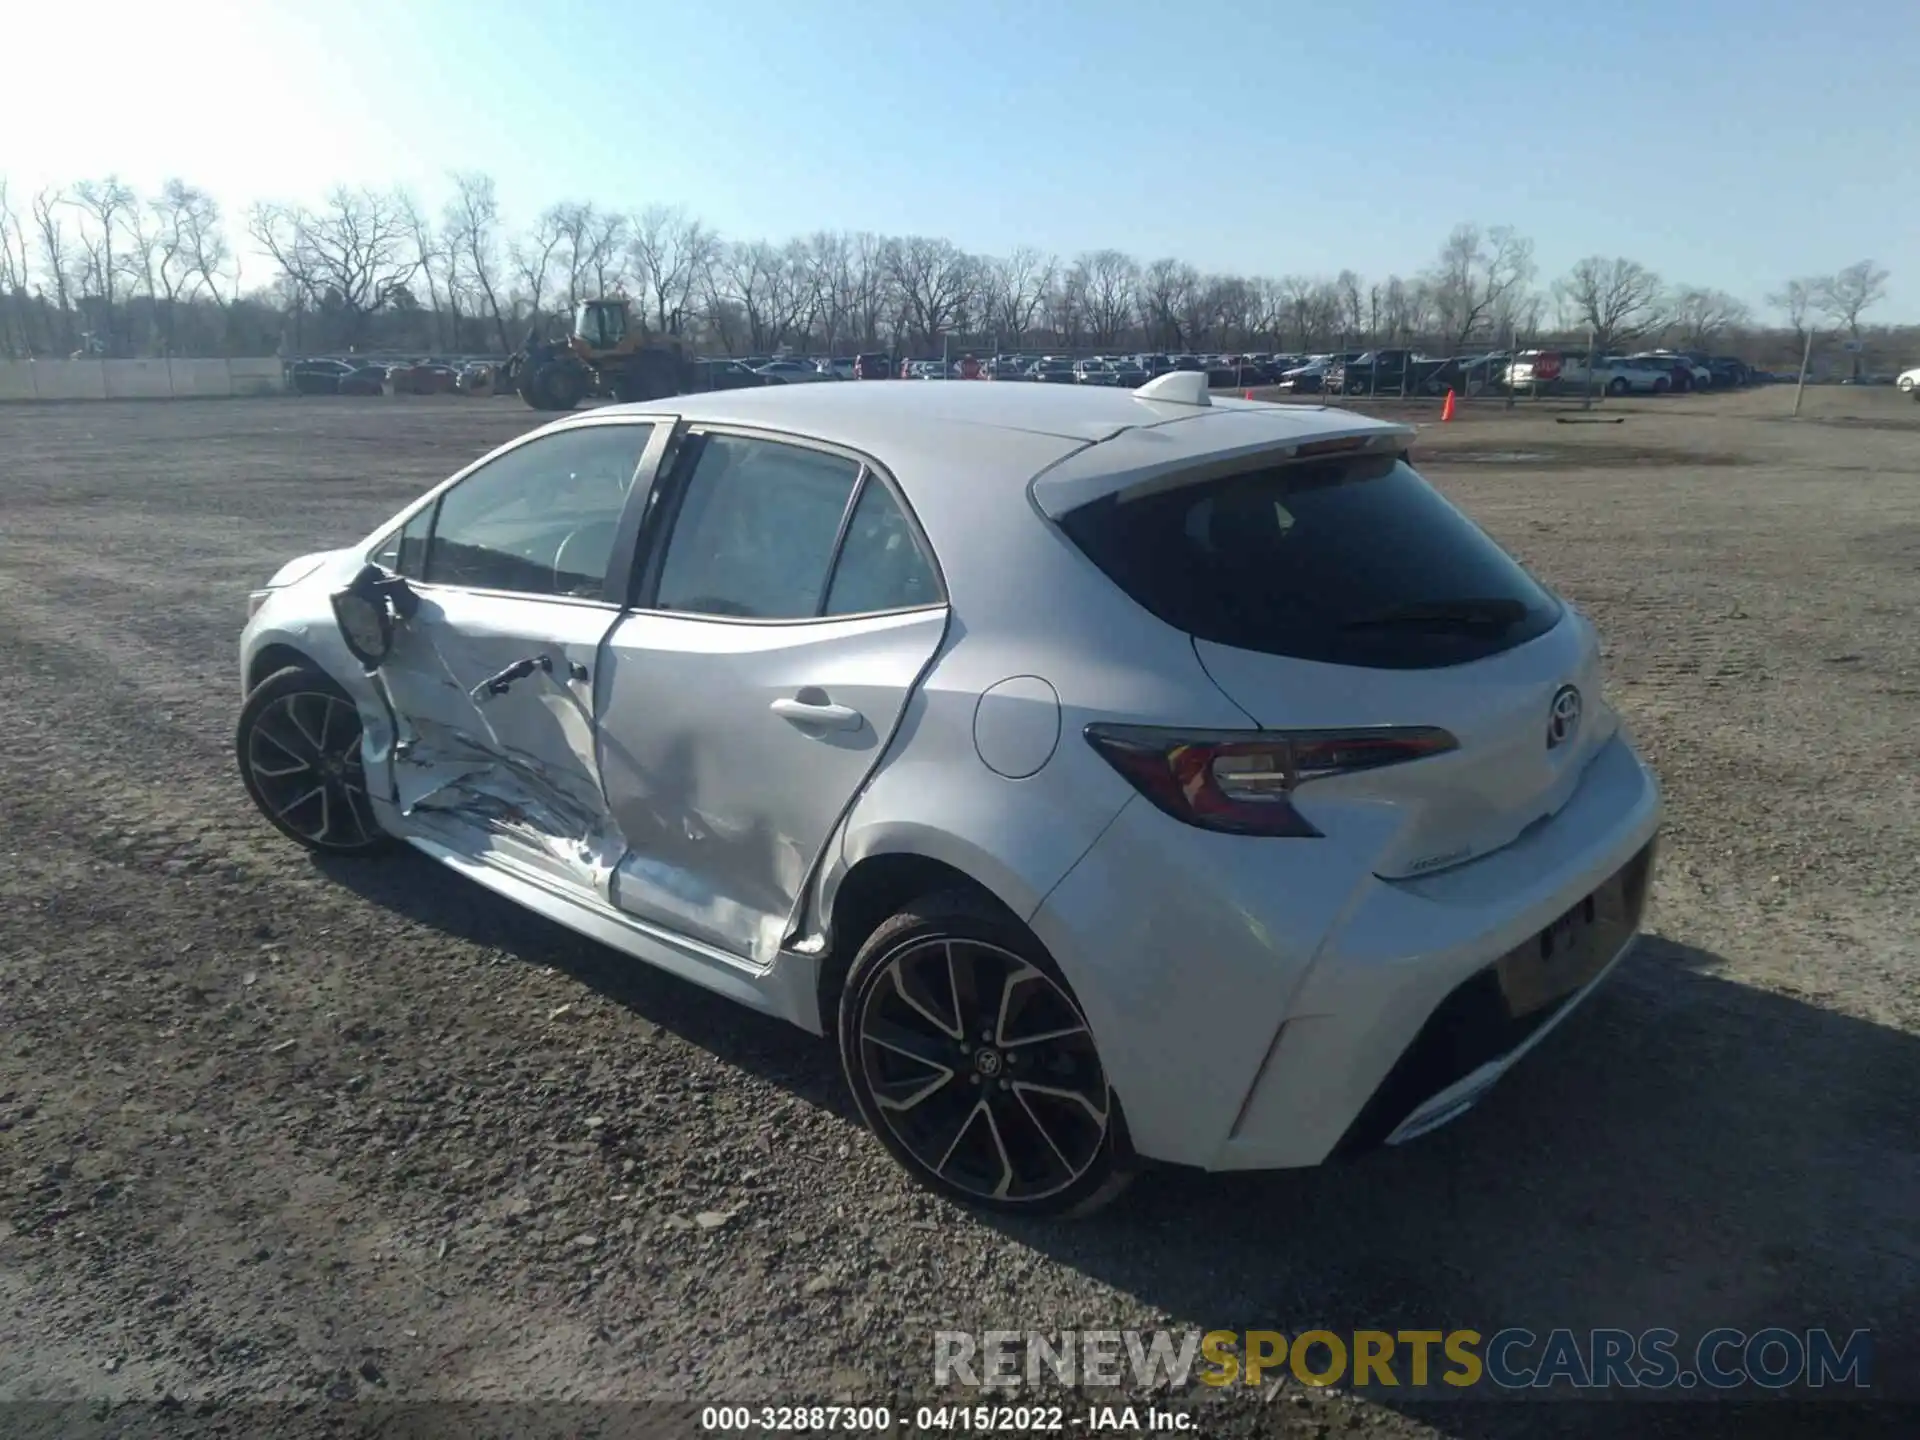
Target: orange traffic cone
{"points": [[1446, 410]]}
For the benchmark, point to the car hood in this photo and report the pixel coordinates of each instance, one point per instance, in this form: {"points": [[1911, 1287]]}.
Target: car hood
{"points": [[344, 562]]}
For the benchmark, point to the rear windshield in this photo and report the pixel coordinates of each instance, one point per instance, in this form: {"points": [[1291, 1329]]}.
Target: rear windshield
{"points": [[1355, 561]]}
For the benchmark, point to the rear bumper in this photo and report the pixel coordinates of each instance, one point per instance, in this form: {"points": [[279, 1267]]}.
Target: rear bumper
{"points": [[1258, 1005], [1473, 1037]]}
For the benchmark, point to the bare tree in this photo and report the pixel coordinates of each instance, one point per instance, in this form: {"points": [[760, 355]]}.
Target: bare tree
{"points": [[589, 247], [1615, 300], [1353, 316], [1401, 311], [1109, 281], [1016, 290], [1475, 273], [1065, 307], [198, 240], [1845, 297], [1167, 288], [671, 252], [1797, 300], [869, 291], [935, 279], [473, 235], [109, 209], [352, 258], [57, 258], [15, 274], [533, 259], [433, 264], [750, 280], [1699, 316]]}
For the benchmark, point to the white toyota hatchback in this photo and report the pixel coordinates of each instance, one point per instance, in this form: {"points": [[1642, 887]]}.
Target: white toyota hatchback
{"points": [[1116, 775]]}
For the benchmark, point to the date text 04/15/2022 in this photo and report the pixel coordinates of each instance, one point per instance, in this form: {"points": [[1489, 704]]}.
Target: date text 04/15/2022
{"points": [[1045, 1419]]}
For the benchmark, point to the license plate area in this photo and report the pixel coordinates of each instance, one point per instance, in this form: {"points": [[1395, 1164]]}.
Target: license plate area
{"points": [[1576, 947]]}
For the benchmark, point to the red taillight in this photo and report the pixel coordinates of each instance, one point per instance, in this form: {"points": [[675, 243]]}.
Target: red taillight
{"points": [[1243, 781]]}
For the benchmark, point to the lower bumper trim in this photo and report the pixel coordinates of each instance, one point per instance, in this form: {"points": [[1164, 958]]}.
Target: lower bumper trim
{"points": [[1473, 1034]]}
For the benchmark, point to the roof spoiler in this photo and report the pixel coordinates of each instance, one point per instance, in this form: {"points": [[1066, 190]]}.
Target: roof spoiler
{"points": [[1174, 459], [1176, 387]]}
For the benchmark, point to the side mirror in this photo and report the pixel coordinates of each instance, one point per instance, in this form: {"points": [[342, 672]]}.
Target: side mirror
{"points": [[365, 612]]}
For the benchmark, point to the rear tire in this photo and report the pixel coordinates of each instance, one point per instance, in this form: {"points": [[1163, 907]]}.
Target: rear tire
{"points": [[298, 744], [969, 1058], [1618, 386]]}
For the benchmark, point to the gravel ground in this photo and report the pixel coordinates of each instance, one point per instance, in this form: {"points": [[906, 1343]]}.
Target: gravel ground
{"points": [[278, 1130]]}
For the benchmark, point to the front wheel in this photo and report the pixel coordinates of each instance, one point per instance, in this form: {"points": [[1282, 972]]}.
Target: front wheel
{"points": [[298, 743], [972, 1062], [558, 387]]}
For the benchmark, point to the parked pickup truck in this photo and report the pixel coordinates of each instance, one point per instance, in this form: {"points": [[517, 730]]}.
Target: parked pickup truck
{"points": [[1386, 372]]}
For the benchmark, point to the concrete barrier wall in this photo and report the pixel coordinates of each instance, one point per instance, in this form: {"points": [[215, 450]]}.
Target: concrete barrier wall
{"points": [[255, 377], [70, 379], [16, 380], [137, 379]]}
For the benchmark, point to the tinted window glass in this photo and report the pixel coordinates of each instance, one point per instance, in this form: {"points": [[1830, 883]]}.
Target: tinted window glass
{"points": [[756, 528], [1351, 562], [541, 519], [412, 560], [881, 566], [404, 551]]}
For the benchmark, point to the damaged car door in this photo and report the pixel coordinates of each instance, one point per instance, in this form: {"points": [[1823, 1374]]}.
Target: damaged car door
{"points": [[778, 638], [492, 677]]}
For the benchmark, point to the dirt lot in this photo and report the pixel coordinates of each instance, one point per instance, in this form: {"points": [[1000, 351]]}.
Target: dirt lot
{"points": [[271, 1129]]}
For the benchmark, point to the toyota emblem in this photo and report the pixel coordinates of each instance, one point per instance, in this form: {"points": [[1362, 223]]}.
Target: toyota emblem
{"points": [[1563, 717]]}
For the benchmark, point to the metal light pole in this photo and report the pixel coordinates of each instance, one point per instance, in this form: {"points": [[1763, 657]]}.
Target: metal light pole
{"points": [[1806, 359]]}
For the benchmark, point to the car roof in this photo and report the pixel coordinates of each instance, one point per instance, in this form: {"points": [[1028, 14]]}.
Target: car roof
{"points": [[900, 424], [976, 461]]}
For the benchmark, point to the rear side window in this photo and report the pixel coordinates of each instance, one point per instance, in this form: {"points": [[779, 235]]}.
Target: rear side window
{"points": [[1349, 562], [880, 566], [755, 534]]}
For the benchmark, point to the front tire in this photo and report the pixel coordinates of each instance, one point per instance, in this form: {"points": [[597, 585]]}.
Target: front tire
{"points": [[972, 1062], [558, 387], [298, 744]]}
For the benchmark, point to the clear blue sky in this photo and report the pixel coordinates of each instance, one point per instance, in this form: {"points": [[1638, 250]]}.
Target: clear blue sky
{"points": [[1731, 143]]}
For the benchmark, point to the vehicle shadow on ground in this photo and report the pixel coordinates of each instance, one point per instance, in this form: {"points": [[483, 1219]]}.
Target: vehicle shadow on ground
{"points": [[409, 884], [1686, 1152]]}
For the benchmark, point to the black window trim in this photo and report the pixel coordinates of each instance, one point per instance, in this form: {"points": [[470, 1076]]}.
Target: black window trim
{"points": [[619, 563], [651, 559]]}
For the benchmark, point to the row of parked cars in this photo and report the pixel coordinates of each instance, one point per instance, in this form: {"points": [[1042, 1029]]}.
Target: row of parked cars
{"points": [[1116, 370], [1354, 372], [1409, 372], [362, 375]]}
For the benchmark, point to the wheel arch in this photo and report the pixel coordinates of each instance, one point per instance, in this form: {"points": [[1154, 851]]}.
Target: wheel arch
{"points": [[276, 655], [856, 901]]}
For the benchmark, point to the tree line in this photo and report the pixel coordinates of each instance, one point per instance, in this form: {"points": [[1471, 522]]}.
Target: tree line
{"points": [[98, 268]]}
